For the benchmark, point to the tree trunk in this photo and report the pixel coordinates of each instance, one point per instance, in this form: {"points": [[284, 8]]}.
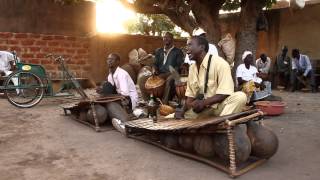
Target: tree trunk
{"points": [[247, 34]]}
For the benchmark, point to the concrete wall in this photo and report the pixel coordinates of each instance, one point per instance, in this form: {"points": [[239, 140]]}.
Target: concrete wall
{"points": [[301, 29], [102, 45], [46, 17]]}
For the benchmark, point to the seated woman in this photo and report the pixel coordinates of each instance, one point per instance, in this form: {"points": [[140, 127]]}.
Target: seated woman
{"points": [[249, 82]]}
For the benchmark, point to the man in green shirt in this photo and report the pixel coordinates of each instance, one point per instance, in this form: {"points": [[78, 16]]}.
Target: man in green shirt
{"points": [[283, 65]]}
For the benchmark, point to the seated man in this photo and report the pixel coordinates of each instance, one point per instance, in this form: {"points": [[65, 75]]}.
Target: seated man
{"points": [[210, 88], [212, 50], [263, 64], [166, 57], [248, 80], [119, 81], [6, 63], [302, 70]]}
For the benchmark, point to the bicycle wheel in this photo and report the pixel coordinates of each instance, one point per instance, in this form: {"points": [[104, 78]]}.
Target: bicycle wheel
{"points": [[24, 89]]}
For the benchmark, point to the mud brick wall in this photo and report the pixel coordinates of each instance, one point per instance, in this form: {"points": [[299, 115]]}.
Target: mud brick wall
{"points": [[32, 48]]}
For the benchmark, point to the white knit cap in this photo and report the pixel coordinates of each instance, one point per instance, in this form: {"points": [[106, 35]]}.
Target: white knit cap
{"points": [[245, 54]]}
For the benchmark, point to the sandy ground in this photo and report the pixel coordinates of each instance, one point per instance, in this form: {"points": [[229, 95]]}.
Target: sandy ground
{"points": [[41, 143]]}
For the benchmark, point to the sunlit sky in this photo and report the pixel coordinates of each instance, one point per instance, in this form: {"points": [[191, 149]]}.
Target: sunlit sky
{"points": [[112, 15]]}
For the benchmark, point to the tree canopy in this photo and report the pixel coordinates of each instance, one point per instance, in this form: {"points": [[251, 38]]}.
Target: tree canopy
{"points": [[152, 24], [192, 14]]}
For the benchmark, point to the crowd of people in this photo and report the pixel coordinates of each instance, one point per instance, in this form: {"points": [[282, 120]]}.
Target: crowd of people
{"points": [[210, 86], [210, 81]]}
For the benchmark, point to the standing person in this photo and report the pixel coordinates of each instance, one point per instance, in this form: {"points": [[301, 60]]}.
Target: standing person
{"points": [[210, 88], [212, 50], [119, 81], [302, 70], [283, 66], [167, 56], [248, 80]]}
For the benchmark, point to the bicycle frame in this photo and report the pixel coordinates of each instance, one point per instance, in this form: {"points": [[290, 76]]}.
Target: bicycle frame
{"points": [[67, 78]]}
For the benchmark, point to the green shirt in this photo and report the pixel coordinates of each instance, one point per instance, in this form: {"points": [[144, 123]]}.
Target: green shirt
{"points": [[283, 63], [175, 59]]}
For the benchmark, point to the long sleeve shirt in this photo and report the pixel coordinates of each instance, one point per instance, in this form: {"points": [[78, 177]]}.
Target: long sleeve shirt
{"points": [[302, 64], [5, 59], [283, 63], [263, 67], [173, 57], [124, 85]]}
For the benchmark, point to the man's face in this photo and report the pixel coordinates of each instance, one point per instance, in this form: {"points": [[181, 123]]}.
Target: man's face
{"points": [[112, 61], [295, 54], [263, 58], [194, 50], [284, 51], [248, 60], [167, 40]]}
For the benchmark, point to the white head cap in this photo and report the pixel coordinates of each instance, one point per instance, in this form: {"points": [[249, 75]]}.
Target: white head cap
{"points": [[245, 54], [198, 32]]}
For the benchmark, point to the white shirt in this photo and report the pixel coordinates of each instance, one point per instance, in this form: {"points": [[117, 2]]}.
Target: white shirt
{"points": [[212, 50], [248, 74], [5, 59], [263, 67], [124, 85], [302, 64]]}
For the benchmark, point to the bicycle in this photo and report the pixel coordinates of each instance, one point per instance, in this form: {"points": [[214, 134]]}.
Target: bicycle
{"points": [[27, 86]]}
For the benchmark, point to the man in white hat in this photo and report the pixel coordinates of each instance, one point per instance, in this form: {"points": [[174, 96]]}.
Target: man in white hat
{"points": [[212, 48], [248, 80]]}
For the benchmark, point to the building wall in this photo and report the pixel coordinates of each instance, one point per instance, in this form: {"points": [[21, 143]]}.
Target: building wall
{"points": [[32, 48], [300, 29], [102, 45], [296, 29], [47, 17]]}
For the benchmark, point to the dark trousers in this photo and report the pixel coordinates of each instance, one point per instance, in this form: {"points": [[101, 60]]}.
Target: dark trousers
{"points": [[295, 83], [108, 89], [284, 78]]}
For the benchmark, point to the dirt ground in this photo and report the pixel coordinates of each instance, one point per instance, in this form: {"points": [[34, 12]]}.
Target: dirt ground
{"points": [[41, 143]]}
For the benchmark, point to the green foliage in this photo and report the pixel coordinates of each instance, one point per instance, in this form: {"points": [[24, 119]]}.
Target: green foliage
{"points": [[235, 4], [152, 24]]}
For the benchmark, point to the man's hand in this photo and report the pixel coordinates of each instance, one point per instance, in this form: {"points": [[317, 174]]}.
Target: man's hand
{"points": [[198, 106], [99, 89], [164, 75], [299, 73], [304, 78], [2, 73], [261, 85], [155, 71]]}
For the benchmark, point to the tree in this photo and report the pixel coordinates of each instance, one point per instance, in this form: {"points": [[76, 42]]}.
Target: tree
{"points": [[152, 24], [191, 14]]}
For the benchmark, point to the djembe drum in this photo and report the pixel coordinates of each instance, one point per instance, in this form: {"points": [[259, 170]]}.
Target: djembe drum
{"points": [[181, 90], [155, 85]]}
